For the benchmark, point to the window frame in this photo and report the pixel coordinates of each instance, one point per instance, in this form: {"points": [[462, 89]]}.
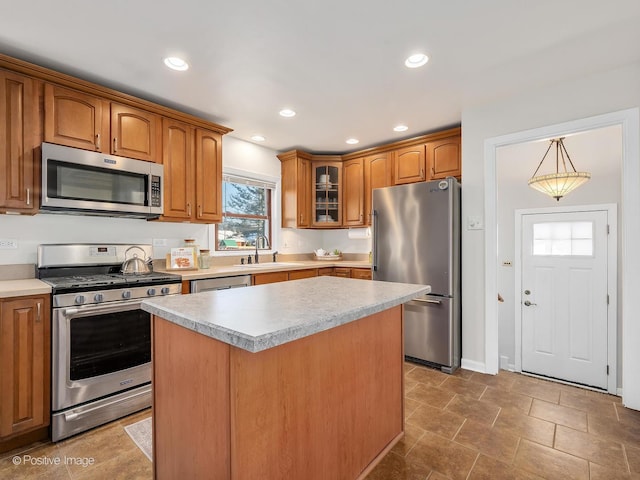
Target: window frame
{"points": [[257, 179]]}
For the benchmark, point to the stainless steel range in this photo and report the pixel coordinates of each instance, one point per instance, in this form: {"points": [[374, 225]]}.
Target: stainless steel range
{"points": [[101, 338]]}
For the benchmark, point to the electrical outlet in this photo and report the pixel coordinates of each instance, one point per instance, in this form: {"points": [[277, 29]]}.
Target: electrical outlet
{"points": [[506, 263], [159, 242], [8, 244]]}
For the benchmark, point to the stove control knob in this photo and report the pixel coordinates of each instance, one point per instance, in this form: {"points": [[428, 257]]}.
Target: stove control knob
{"points": [[126, 294], [98, 297], [79, 299], [165, 290], [151, 292]]}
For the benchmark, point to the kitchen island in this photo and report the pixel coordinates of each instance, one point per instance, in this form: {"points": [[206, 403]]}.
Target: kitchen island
{"points": [[295, 380]]}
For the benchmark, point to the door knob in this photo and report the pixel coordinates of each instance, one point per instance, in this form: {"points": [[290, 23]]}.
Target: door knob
{"points": [[528, 303]]}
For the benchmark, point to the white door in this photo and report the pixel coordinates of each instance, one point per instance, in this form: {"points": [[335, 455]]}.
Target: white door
{"points": [[564, 296]]}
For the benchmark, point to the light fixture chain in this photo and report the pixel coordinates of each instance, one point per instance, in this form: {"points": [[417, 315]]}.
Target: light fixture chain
{"points": [[568, 157], [545, 156]]}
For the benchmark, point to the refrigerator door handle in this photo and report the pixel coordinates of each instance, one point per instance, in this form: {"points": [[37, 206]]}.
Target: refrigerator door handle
{"points": [[424, 300], [374, 261]]}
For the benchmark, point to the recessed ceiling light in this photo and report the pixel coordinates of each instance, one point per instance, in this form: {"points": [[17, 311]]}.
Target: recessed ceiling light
{"points": [[416, 60], [287, 113], [353, 141], [400, 128], [258, 138], [176, 63]]}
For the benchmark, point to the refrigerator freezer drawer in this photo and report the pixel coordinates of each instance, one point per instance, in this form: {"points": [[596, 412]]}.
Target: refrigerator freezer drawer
{"points": [[429, 332]]}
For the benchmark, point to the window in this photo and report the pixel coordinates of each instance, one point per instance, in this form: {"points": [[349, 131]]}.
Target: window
{"points": [[563, 238], [246, 218]]}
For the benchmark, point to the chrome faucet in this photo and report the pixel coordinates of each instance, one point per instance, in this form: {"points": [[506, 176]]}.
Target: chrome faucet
{"points": [[266, 241]]}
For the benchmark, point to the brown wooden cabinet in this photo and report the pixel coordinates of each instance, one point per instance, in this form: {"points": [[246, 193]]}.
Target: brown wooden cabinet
{"points": [[444, 158], [20, 138], [135, 133], [353, 193], [298, 274], [343, 272], [409, 164], [296, 189], [270, 277], [25, 358], [326, 193], [82, 120], [361, 273], [377, 174], [192, 159]]}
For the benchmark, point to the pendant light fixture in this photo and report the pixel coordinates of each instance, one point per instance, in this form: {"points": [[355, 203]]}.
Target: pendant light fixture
{"points": [[558, 184]]}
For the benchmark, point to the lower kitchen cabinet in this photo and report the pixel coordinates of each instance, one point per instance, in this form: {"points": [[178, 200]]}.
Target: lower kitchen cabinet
{"points": [[298, 274], [270, 277], [25, 336], [361, 273]]}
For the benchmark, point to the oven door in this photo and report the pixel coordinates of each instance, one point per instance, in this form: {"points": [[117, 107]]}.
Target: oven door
{"points": [[99, 350]]}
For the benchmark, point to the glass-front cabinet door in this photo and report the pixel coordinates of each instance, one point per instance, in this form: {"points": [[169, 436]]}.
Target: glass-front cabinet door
{"points": [[327, 194]]}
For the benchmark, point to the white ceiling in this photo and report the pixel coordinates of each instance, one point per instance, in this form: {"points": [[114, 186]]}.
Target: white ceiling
{"points": [[338, 63]]}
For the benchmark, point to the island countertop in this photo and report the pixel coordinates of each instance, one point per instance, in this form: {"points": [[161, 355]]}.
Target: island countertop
{"points": [[265, 316]]}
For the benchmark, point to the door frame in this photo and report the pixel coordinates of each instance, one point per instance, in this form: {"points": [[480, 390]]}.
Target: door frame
{"points": [[612, 277], [629, 120]]}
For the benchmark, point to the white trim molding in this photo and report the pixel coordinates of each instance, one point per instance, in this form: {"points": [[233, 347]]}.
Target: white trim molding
{"points": [[473, 365], [629, 228]]}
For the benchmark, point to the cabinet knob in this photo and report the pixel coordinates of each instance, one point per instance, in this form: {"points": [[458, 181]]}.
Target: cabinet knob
{"points": [[28, 196], [38, 312], [189, 208], [200, 211], [422, 173], [115, 144], [97, 141]]}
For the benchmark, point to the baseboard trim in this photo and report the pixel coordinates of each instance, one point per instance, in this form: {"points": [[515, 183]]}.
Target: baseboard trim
{"points": [[473, 365]]}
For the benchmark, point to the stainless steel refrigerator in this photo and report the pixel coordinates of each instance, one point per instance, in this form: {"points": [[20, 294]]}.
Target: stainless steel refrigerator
{"points": [[416, 239]]}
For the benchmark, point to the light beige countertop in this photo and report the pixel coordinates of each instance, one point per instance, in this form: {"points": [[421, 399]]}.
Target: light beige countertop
{"points": [[23, 288], [265, 316], [265, 267]]}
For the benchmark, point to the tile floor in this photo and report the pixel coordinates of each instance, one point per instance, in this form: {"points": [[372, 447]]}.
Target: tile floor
{"points": [[465, 426]]}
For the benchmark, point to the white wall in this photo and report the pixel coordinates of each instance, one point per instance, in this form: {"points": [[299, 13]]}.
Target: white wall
{"points": [[604, 92], [598, 152]]}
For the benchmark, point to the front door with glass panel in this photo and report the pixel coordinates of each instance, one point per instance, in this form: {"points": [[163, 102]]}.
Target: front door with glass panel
{"points": [[564, 296]]}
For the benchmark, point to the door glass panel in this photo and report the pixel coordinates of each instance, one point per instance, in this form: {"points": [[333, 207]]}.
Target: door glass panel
{"points": [[107, 343], [563, 238]]}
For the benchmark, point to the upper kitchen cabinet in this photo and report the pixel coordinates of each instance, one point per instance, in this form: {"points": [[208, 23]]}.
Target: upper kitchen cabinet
{"points": [[81, 120], [192, 159], [377, 174], [409, 164], [135, 133], [296, 189], [208, 176], [444, 158], [353, 179], [326, 193], [75, 119], [20, 138]]}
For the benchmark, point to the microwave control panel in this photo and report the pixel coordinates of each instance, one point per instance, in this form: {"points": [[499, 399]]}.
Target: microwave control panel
{"points": [[156, 200]]}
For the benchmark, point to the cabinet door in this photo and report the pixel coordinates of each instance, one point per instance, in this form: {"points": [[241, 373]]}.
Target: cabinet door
{"points": [[327, 194], [271, 277], [343, 272], [409, 164], [377, 174], [135, 133], [353, 196], [19, 141], [361, 273], [208, 177], [75, 119], [443, 158], [298, 274], [179, 166], [25, 372], [326, 271], [295, 190]]}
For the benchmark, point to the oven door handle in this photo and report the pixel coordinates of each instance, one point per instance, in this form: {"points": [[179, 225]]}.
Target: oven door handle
{"points": [[99, 309]]}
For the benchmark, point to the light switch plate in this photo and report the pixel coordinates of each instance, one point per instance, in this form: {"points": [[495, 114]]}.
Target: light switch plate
{"points": [[474, 222]]}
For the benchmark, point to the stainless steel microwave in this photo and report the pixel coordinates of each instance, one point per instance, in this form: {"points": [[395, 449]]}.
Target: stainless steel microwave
{"points": [[92, 183]]}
